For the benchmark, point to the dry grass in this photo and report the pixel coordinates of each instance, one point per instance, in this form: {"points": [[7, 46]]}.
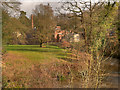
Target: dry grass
{"points": [[19, 71]]}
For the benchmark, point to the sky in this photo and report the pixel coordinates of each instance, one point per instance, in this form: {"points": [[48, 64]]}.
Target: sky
{"points": [[29, 5]]}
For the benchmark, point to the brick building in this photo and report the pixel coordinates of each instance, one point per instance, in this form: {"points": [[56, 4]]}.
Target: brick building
{"points": [[67, 35], [59, 33]]}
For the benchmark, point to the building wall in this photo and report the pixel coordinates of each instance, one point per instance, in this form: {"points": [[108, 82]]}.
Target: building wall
{"points": [[76, 37], [62, 33]]}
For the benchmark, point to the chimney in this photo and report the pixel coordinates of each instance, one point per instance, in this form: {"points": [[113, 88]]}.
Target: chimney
{"points": [[32, 22]]}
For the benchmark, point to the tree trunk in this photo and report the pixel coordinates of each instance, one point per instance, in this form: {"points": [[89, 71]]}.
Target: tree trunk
{"points": [[40, 44]]}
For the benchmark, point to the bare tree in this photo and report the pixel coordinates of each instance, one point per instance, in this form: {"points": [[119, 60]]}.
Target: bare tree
{"points": [[96, 19]]}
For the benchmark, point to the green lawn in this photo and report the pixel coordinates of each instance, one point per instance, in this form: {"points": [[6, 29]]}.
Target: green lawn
{"points": [[37, 53]]}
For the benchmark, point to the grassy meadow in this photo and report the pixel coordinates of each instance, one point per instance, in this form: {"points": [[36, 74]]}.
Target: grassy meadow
{"points": [[35, 53], [31, 66]]}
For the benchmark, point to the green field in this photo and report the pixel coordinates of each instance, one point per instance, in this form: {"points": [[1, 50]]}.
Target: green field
{"points": [[36, 53]]}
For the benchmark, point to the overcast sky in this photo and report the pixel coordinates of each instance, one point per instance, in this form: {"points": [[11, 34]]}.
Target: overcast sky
{"points": [[28, 5]]}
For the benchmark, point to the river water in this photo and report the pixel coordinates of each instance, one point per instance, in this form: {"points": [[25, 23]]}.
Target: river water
{"points": [[111, 81]]}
